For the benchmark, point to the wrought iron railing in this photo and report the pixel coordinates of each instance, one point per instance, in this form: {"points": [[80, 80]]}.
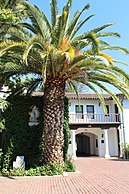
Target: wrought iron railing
{"points": [[94, 118]]}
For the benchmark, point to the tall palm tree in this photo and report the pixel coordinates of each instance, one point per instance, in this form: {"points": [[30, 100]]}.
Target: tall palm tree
{"points": [[54, 51]]}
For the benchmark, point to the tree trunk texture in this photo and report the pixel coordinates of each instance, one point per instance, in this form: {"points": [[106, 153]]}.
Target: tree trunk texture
{"points": [[54, 93]]}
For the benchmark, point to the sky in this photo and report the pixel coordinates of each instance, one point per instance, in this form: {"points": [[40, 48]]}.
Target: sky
{"points": [[110, 11]]}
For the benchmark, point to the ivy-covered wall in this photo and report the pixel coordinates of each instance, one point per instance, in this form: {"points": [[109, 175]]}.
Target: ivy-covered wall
{"points": [[22, 139], [66, 128]]}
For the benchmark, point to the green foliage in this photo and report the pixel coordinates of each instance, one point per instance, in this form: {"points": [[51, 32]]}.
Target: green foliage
{"points": [[44, 170], [17, 172], [66, 128], [23, 139], [4, 104], [26, 140], [47, 169], [125, 149], [69, 166], [2, 122], [8, 16], [5, 172], [10, 13]]}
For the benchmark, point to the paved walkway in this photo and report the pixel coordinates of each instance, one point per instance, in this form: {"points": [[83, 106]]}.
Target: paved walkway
{"points": [[97, 175]]}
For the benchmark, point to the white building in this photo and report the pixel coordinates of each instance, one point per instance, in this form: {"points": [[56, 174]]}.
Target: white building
{"points": [[92, 131]]}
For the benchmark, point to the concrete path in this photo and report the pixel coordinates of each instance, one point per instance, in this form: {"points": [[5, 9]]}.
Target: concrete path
{"points": [[97, 175]]}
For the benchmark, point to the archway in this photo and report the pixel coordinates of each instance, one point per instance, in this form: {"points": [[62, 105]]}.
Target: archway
{"points": [[87, 144], [83, 145]]}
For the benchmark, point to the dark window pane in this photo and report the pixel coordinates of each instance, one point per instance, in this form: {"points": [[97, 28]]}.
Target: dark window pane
{"points": [[107, 107], [79, 111], [90, 110], [96, 143]]}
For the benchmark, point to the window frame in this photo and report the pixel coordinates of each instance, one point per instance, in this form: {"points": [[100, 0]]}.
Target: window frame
{"points": [[79, 112], [108, 110], [93, 108]]}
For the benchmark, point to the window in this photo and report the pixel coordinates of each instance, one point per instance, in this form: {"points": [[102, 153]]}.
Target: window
{"points": [[96, 142], [79, 111], [90, 111], [107, 107]]}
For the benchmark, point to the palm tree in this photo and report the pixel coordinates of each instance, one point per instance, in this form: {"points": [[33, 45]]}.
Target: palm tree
{"points": [[54, 51]]}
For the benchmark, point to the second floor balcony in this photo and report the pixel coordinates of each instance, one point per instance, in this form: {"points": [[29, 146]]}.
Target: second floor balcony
{"points": [[94, 118]]}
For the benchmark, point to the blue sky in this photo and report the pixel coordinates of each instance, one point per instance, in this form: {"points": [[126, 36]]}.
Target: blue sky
{"points": [[110, 11]]}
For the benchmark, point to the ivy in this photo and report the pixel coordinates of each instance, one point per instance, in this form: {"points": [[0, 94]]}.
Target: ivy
{"points": [[22, 139], [66, 128]]}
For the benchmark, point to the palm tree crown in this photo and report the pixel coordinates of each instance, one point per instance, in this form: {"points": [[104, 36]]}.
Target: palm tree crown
{"points": [[56, 50]]}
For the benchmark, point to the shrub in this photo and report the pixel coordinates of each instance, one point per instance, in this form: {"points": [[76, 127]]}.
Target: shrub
{"points": [[48, 169], [69, 166], [125, 149]]}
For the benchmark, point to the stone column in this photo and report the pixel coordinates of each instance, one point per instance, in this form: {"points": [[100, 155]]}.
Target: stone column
{"points": [[120, 138], [73, 144], [107, 155]]}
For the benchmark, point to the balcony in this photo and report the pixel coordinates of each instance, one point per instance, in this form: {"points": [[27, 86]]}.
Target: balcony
{"points": [[94, 118]]}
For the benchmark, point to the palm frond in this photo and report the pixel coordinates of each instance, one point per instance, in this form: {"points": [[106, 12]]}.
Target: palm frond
{"points": [[105, 34], [17, 33], [73, 87], [34, 41], [124, 50], [109, 92], [122, 74], [95, 30], [66, 14], [89, 38], [80, 24], [120, 62], [54, 12], [98, 94], [103, 43], [8, 45], [108, 78], [29, 27], [61, 24], [73, 23], [39, 21]]}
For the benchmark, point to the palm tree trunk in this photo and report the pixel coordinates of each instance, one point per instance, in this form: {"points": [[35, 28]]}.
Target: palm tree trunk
{"points": [[54, 93]]}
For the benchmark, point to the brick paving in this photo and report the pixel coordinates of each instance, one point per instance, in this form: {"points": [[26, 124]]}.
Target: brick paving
{"points": [[97, 176]]}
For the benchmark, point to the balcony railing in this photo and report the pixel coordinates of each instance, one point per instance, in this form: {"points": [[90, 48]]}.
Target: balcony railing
{"points": [[94, 118]]}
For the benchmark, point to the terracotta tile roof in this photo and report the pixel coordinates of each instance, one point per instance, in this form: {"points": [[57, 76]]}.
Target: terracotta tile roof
{"points": [[87, 96], [81, 96]]}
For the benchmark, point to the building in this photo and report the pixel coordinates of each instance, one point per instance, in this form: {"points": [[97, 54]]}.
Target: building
{"points": [[94, 132]]}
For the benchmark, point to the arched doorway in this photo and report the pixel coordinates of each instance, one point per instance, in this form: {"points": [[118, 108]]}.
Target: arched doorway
{"points": [[87, 144], [83, 145]]}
